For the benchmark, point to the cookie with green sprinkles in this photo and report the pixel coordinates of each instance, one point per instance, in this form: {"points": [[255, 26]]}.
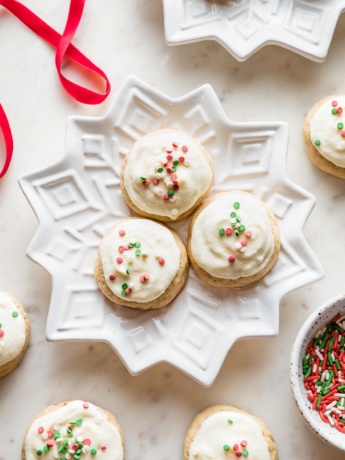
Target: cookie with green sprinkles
{"points": [[74, 430], [166, 175], [141, 264], [233, 240], [324, 135], [224, 432], [14, 333]]}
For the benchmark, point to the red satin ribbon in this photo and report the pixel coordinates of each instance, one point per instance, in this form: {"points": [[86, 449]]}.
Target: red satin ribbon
{"points": [[63, 46], [6, 131]]}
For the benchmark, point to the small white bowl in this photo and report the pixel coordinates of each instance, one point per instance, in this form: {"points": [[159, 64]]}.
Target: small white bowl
{"points": [[313, 324]]}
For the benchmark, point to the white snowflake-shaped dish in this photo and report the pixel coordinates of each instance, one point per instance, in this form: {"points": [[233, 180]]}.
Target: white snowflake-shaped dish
{"points": [[78, 198], [245, 26]]}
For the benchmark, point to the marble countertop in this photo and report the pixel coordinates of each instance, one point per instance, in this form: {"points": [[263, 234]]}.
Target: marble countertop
{"points": [[156, 407]]}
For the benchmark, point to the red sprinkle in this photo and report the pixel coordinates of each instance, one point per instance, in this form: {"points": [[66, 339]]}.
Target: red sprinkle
{"points": [[238, 454], [161, 261], [1, 333], [176, 187], [104, 448], [175, 145], [229, 231], [50, 433], [170, 157], [74, 447], [112, 277], [146, 277], [244, 242], [181, 159], [119, 260], [169, 170], [169, 150], [231, 258], [235, 447], [142, 279], [40, 429], [340, 110], [87, 441], [122, 233], [184, 149], [50, 443], [244, 443], [129, 291], [166, 197], [334, 103], [248, 233], [121, 249], [343, 133], [85, 405], [146, 183], [155, 181]]}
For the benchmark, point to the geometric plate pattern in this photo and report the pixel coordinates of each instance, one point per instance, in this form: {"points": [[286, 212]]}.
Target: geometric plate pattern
{"points": [[245, 26], [78, 198]]}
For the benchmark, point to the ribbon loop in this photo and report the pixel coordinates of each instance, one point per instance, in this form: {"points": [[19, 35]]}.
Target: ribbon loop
{"points": [[7, 134]]}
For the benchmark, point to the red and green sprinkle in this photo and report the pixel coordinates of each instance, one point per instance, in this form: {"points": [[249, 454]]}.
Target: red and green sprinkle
{"points": [[239, 449], [324, 373], [64, 444]]}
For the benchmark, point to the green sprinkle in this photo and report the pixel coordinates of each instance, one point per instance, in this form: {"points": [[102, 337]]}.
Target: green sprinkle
{"points": [[238, 219], [340, 125], [15, 314], [245, 453], [93, 451], [137, 244], [307, 374], [341, 387], [233, 214], [334, 111], [317, 142], [342, 420], [319, 399], [0, 325], [337, 364], [221, 231], [176, 162], [78, 452], [45, 449], [39, 452], [226, 447], [142, 178], [64, 442], [76, 457], [78, 422], [236, 232], [230, 421], [128, 271], [123, 292], [237, 205], [63, 458], [174, 169], [62, 449], [131, 245], [171, 192], [124, 286], [242, 228], [137, 252], [160, 170], [56, 434]]}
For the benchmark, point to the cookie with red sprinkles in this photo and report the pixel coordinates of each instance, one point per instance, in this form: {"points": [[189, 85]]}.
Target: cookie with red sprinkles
{"points": [[141, 264], [324, 135], [74, 430], [224, 432], [166, 175], [14, 333]]}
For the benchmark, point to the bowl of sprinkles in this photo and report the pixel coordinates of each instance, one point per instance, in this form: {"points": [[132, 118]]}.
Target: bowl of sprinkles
{"points": [[318, 371]]}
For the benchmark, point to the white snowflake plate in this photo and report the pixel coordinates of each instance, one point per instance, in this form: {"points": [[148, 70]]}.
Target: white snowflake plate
{"points": [[78, 198], [244, 26]]}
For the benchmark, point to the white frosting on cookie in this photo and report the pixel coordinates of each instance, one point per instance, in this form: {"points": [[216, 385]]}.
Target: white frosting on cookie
{"points": [[148, 160], [217, 436], [154, 253], [327, 130], [90, 428], [249, 251], [12, 330]]}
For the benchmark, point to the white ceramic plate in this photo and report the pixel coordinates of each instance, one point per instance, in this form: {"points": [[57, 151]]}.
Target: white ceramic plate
{"points": [[78, 198], [244, 26]]}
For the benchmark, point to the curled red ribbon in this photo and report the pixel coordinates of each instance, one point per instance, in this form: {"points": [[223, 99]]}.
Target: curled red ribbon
{"points": [[6, 131], [63, 46]]}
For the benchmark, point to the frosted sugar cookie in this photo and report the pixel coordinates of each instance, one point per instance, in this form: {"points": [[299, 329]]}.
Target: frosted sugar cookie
{"points": [[166, 175], [233, 240], [226, 433], [324, 135], [14, 333], [141, 264], [74, 430]]}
